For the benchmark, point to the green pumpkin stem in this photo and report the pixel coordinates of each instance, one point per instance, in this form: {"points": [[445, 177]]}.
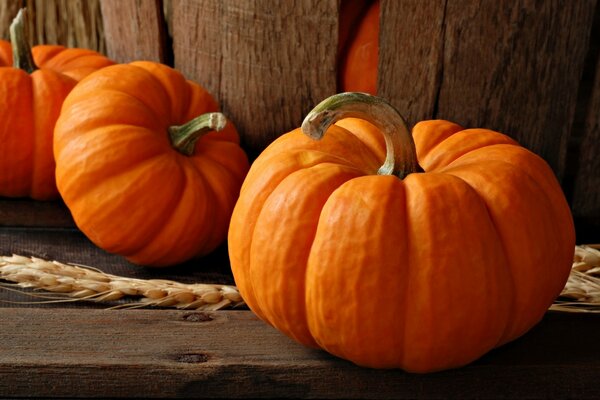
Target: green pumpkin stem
{"points": [[401, 158], [184, 137], [22, 57]]}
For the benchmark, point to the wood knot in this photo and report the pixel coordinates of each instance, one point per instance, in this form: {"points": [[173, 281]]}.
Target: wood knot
{"points": [[192, 358], [197, 317]]}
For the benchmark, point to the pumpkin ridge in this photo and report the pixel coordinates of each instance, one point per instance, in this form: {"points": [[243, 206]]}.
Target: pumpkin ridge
{"points": [[16, 88], [445, 153], [46, 114], [225, 160], [467, 310], [211, 196], [517, 263], [176, 87], [101, 189], [502, 245], [186, 241], [240, 259], [301, 215], [69, 154]]}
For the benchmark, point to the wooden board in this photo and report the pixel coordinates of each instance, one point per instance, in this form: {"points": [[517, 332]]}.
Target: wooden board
{"points": [[267, 67], [510, 66], [586, 157], [159, 354], [134, 30], [65, 22]]}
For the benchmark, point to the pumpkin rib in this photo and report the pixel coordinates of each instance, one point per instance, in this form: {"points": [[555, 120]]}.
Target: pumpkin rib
{"points": [[354, 152], [470, 311], [340, 274], [429, 134], [176, 233], [302, 194], [518, 258], [204, 168], [16, 89], [175, 86], [107, 219], [461, 143], [46, 83], [134, 84], [220, 152], [5, 54], [72, 157], [265, 174]]}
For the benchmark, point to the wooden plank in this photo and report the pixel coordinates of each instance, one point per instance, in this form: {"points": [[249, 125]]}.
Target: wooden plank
{"points": [[267, 65], [515, 67], [31, 213], [8, 10], [586, 191], [232, 354], [512, 67], [134, 30], [410, 56], [64, 22]]}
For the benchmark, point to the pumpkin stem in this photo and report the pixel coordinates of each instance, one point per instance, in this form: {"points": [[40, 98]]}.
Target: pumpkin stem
{"points": [[401, 157], [184, 137], [22, 57]]}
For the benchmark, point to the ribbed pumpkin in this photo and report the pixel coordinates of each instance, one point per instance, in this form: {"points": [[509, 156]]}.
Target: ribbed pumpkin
{"points": [[31, 94], [457, 244], [140, 169]]}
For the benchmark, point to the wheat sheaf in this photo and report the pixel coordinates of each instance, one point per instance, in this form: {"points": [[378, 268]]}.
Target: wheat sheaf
{"points": [[53, 281], [67, 282]]}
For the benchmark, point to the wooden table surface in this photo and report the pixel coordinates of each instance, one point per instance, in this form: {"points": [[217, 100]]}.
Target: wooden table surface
{"points": [[85, 350]]}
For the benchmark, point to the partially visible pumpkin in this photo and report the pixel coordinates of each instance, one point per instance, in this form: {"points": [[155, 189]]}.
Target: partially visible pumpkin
{"points": [[458, 244], [31, 94], [359, 56], [140, 169]]}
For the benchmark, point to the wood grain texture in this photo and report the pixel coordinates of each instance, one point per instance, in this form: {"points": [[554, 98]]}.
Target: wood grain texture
{"points": [[411, 55], [71, 23], [231, 354], [267, 63], [134, 30], [8, 10], [586, 190], [511, 66], [31, 213]]}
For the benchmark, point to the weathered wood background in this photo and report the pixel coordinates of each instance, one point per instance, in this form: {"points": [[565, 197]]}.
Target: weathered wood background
{"points": [[524, 67]]}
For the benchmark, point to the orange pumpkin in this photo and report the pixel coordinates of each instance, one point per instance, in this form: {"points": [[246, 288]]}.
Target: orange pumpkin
{"points": [[140, 169], [457, 244], [31, 94], [360, 57]]}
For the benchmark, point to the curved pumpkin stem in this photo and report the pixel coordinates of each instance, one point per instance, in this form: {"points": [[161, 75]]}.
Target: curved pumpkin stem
{"points": [[184, 137], [401, 157], [22, 57]]}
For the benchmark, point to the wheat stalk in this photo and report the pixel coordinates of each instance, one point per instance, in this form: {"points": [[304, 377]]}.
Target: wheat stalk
{"points": [[582, 291], [68, 282], [77, 282]]}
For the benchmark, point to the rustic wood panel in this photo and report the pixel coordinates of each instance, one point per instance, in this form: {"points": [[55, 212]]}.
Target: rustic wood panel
{"points": [[510, 66], [72, 23], [8, 10], [586, 191], [515, 66], [267, 65], [410, 56], [231, 354], [31, 213], [134, 30]]}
